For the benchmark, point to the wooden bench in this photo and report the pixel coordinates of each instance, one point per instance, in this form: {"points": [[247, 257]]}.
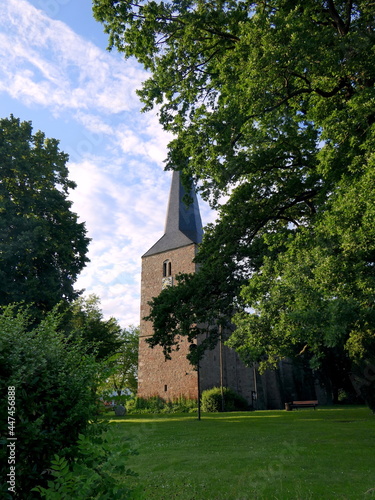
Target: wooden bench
{"points": [[301, 404]]}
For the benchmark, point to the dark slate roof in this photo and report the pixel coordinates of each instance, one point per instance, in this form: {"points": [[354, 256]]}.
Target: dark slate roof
{"points": [[183, 224]]}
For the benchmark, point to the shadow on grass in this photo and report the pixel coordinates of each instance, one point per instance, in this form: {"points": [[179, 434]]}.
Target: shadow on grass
{"points": [[319, 454], [323, 414]]}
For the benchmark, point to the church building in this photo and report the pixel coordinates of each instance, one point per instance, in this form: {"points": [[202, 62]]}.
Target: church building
{"points": [[172, 254]]}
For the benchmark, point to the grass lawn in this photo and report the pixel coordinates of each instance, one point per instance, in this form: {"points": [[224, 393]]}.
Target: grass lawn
{"points": [[305, 454]]}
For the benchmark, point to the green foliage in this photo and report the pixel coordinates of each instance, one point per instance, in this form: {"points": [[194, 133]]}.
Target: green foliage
{"points": [[124, 365], [212, 400], [84, 320], [42, 245], [272, 106], [96, 472], [181, 405], [156, 404], [317, 296], [55, 394], [153, 404]]}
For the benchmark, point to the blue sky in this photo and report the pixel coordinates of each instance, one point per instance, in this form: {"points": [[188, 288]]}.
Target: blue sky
{"points": [[56, 72]]}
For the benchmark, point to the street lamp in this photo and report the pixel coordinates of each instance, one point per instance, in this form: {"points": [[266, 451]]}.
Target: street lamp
{"points": [[192, 348]]}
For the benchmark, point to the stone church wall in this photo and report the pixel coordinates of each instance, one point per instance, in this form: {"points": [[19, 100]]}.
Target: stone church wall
{"points": [[156, 376], [261, 391]]}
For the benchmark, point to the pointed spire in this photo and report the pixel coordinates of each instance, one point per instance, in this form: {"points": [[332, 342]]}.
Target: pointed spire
{"points": [[180, 216], [183, 224]]}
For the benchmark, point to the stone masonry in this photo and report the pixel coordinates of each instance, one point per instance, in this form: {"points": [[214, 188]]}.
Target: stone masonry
{"points": [[157, 376]]}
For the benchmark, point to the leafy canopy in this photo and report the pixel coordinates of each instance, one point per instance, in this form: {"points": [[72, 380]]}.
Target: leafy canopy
{"points": [[272, 106], [42, 245], [123, 366], [84, 320]]}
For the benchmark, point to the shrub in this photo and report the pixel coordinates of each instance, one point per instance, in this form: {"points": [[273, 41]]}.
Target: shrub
{"points": [[156, 404], [180, 405], [212, 400], [95, 473], [55, 402]]}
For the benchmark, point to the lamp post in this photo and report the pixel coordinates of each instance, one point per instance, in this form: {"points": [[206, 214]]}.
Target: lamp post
{"points": [[199, 392], [254, 393], [192, 348], [221, 368]]}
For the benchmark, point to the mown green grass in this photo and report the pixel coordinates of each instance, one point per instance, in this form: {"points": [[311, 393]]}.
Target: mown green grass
{"points": [[305, 454]]}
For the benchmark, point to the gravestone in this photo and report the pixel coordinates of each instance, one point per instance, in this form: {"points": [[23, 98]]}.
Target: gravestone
{"points": [[120, 411]]}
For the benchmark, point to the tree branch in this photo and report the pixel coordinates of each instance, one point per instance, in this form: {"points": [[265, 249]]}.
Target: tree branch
{"points": [[221, 34], [342, 27], [330, 93]]}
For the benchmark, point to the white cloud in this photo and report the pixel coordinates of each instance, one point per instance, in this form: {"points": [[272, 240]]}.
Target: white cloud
{"points": [[95, 125], [124, 212], [43, 61], [116, 157]]}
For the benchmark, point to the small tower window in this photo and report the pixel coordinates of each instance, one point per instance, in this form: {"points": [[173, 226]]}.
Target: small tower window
{"points": [[167, 279], [167, 268]]}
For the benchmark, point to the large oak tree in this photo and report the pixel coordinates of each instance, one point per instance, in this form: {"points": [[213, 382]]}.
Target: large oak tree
{"points": [[272, 105]]}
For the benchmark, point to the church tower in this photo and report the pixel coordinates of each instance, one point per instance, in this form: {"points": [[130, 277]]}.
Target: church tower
{"points": [[171, 255]]}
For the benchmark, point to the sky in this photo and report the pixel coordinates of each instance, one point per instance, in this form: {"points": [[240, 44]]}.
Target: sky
{"points": [[55, 71]]}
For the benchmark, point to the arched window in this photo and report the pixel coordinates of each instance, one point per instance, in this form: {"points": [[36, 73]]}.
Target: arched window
{"points": [[167, 268]]}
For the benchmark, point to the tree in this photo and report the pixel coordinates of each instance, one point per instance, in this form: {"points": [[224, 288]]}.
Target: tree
{"points": [[42, 245], [317, 297], [106, 340], [124, 365], [84, 320], [272, 105]]}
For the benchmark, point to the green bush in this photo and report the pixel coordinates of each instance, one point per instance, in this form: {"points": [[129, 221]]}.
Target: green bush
{"points": [[156, 404], [53, 383], [212, 400], [153, 404], [96, 472], [180, 405]]}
